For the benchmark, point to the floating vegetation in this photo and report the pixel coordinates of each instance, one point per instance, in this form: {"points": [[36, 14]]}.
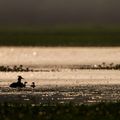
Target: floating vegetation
{"points": [[102, 66], [15, 68], [58, 68], [22, 68]]}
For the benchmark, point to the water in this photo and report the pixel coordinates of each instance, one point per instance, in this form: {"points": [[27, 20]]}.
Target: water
{"points": [[37, 56], [78, 77], [56, 77]]}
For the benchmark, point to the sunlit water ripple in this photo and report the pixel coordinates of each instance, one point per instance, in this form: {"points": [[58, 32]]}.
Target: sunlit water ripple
{"points": [[54, 81]]}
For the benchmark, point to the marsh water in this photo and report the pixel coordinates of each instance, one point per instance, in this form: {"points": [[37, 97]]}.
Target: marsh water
{"points": [[55, 78]]}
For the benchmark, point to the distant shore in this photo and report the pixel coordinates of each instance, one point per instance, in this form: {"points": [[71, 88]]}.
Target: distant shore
{"points": [[85, 37]]}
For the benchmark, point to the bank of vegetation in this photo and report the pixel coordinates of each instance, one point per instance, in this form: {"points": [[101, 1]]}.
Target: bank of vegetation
{"points": [[100, 111], [58, 68], [60, 37]]}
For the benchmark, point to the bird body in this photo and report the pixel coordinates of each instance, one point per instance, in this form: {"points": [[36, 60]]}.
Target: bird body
{"points": [[18, 84], [33, 85], [14, 85]]}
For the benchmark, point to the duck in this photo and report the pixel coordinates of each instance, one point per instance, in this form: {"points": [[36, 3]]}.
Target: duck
{"points": [[14, 85], [33, 85], [18, 84], [22, 85]]}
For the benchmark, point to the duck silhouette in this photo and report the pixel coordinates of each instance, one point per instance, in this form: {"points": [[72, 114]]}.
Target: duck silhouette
{"points": [[18, 84], [33, 85]]}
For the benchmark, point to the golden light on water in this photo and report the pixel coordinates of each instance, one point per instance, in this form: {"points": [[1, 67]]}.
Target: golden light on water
{"points": [[37, 55]]}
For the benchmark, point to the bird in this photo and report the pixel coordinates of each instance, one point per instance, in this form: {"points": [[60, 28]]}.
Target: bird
{"points": [[21, 85], [18, 84], [20, 78], [33, 85], [14, 85]]}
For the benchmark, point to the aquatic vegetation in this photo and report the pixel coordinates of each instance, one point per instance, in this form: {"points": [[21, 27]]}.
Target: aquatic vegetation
{"points": [[103, 66], [15, 68], [57, 68], [101, 111]]}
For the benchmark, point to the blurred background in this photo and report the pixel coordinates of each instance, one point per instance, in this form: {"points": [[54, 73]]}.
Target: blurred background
{"points": [[59, 23]]}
